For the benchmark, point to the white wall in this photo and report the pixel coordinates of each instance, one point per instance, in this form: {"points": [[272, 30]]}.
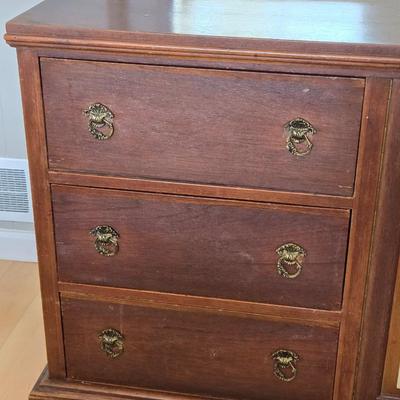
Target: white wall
{"points": [[16, 238], [12, 142]]}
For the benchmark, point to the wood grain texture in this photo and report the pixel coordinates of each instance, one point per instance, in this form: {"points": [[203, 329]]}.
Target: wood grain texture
{"points": [[41, 199], [244, 18], [204, 126], [192, 352], [205, 58], [53, 389], [361, 232], [383, 262], [256, 62], [349, 32], [201, 247], [21, 326], [199, 190], [46, 389], [18, 288], [271, 312], [392, 360]]}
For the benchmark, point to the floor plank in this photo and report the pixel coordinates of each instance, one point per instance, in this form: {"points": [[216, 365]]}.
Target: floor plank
{"points": [[19, 286], [4, 266], [22, 345]]}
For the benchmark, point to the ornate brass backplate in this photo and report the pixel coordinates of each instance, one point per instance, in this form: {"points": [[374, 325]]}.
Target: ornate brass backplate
{"points": [[290, 255], [112, 342], [298, 133], [106, 240], [285, 364], [100, 121]]}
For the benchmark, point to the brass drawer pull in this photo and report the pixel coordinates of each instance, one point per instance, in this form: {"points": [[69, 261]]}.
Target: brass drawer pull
{"points": [[106, 240], [101, 118], [290, 254], [298, 133], [285, 365], [112, 342]]}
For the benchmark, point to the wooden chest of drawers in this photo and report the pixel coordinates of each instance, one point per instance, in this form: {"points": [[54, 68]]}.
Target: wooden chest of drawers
{"points": [[216, 210]]}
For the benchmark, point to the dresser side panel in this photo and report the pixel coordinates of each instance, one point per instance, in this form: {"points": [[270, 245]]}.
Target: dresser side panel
{"points": [[383, 263], [392, 361], [36, 144], [361, 231]]}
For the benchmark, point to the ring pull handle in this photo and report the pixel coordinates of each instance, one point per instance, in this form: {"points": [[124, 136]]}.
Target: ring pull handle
{"points": [[291, 256], [298, 132], [106, 240], [101, 119], [111, 342], [285, 365]]}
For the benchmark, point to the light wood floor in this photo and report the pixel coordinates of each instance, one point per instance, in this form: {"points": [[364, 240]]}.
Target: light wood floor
{"points": [[22, 348]]}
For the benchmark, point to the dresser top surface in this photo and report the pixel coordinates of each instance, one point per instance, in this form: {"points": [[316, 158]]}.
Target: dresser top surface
{"points": [[367, 27]]}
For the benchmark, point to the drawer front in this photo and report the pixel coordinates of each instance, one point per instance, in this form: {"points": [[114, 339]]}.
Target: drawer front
{"points": [[203, 247], [195, 352], [205, 126]]}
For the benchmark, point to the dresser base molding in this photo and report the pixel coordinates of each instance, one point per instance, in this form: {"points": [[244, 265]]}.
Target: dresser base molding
{"points": [[49, 389]]}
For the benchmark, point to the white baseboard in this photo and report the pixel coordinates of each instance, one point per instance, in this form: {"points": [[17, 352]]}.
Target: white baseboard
{"points": [[17, 245]]}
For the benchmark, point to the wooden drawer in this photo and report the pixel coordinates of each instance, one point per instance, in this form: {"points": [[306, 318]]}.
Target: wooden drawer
{"points": [[196, 352], [213, 248], [206, 126]]}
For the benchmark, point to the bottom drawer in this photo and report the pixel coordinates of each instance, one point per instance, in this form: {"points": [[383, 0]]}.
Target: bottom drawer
{"points": [[198, 352]]}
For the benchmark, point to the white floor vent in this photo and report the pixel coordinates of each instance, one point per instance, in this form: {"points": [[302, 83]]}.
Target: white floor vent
{"points": [[15, 193]]}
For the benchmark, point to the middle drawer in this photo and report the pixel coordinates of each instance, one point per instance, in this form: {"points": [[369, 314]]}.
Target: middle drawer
{"points": [[214, 248]]}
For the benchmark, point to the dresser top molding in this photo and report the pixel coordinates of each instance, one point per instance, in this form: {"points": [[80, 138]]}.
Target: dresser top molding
{"points": [[366, 32]]}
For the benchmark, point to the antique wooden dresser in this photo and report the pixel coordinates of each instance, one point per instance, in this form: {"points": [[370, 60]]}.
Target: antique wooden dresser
{"points": [[216, 190]]}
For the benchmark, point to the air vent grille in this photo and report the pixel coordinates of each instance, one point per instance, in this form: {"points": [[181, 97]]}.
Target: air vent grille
{"points": [[15, 200]]}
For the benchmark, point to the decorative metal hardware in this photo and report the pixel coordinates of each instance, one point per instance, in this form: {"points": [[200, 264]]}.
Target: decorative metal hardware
{"points": [[106, 242], [285, 365], [290, 254], [100, 121], [298, 133], [112, 342]]}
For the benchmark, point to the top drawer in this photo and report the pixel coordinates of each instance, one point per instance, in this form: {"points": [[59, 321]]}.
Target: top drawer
{"points": [[205, 126]]}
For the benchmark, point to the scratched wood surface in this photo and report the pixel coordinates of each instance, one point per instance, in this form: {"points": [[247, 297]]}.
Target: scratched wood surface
{"points": [[197, 352], [212, 248], [203, 126]]}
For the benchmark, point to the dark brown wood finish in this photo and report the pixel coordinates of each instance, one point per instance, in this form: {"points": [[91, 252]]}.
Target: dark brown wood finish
{"points": [[199, 190], [46, 389], [193, 352], [392, 360], [215, 248], [375, 113], [42, 208], [358, 40], [204, 126], [383, 263], [256, 61], [51, 389], [304, 316], [361, 31]]}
